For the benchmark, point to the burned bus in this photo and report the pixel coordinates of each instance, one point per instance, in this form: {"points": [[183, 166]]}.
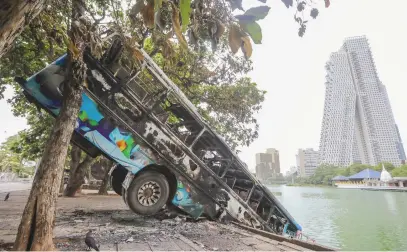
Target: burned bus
{"points": [[164, 151]]}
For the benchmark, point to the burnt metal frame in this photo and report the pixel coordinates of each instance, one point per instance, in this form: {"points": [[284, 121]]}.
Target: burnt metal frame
{"points": [[188, 149], [153, 67]]}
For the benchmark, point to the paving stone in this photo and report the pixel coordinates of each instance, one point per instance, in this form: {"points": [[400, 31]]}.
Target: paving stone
{"points": [[7, 238], [294, 247], [164, 246], [107, 247], [263, 246], [250, 241], [190, 243], [183, 246], [134, 246]]}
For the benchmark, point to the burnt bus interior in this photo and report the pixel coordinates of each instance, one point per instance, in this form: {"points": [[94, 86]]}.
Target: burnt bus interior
{"points": [[131, 84]]}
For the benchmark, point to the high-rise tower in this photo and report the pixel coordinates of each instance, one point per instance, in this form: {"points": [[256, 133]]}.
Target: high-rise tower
{"points": [[358, 125], [268, 164], [307, 161]]}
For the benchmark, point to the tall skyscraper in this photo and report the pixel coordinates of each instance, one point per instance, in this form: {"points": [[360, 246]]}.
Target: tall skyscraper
{"points": [[267, 164], [307, 161], [358, 125], [275, 160]]}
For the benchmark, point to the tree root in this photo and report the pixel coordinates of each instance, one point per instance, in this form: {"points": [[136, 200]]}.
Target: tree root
{"points": [[32, 226], [30, 234]]}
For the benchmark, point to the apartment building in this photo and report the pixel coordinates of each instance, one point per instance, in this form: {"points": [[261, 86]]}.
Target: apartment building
{"points": [[358, 125], [307, 161]]}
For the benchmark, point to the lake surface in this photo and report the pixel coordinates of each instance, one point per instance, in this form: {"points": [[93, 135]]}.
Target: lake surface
{"points": [[349, 219]]}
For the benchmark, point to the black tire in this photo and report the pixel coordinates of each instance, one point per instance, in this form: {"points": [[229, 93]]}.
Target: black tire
{"points": [[116, 179], [154, 184]]}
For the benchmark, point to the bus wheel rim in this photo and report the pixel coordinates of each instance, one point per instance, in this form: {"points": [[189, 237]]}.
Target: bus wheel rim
{"points": [[149, 193]]}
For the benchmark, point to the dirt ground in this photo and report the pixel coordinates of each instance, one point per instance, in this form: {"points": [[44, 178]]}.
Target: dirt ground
{"points": [[117, 228]]}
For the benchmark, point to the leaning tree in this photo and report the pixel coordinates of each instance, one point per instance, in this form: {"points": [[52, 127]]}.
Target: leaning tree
{"points": [[35, 230], [14, 16]]}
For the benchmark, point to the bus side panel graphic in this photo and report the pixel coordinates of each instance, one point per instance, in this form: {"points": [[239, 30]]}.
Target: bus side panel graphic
{"points": [[120, 144]]}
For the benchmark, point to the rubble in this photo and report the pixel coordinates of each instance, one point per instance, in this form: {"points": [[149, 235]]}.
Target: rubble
{"points": [[115, 228], [130, 239]]}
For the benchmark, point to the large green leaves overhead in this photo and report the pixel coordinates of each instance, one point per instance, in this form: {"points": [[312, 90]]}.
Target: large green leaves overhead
{"points": [[288, 3], [177, 27], [253, 14], [185, 9], [258, 13], [254, 30], [157, 4], [248, 22]]}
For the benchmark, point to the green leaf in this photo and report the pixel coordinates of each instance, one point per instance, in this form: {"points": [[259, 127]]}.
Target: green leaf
{"points": [[254, 31], [177, 27], [258, 13], [245, 18], [157, 4], [236, 4], [288, 3], [185, 9]]}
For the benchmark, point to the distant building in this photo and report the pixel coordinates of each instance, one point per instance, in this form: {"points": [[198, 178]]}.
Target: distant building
{"points": [[267, 164], [307, 161], [263, 166], [358, 125], [262, 171], [293, 170], [400, 147], [275, 158]]}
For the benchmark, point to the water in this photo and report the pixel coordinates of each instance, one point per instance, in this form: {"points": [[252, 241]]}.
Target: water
{"points": [[349, 219]]}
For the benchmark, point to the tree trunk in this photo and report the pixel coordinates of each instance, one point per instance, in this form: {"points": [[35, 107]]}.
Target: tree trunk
{"points": [[61, 187], [75, 159], [14, 16], [105, 181], [73, 163], [36, 227], [35, 230], [77, 176]]}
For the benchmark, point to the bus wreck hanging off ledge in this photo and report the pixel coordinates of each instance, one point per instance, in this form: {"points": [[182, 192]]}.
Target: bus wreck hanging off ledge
{"points": [[165, 153]]}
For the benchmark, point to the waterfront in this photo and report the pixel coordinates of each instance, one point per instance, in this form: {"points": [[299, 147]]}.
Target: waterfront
{"points": [[349, 219], [116, 228]]}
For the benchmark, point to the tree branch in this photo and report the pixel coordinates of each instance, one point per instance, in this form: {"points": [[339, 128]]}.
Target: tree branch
{"points": [[97, 20], [154, 52], [144, 36]]}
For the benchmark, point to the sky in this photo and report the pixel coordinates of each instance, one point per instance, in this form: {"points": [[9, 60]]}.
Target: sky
{"points": [[291, 70]]}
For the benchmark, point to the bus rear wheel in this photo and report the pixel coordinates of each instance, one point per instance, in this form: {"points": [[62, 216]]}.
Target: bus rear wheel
{"points": [[117, 177], [148, 193]]}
